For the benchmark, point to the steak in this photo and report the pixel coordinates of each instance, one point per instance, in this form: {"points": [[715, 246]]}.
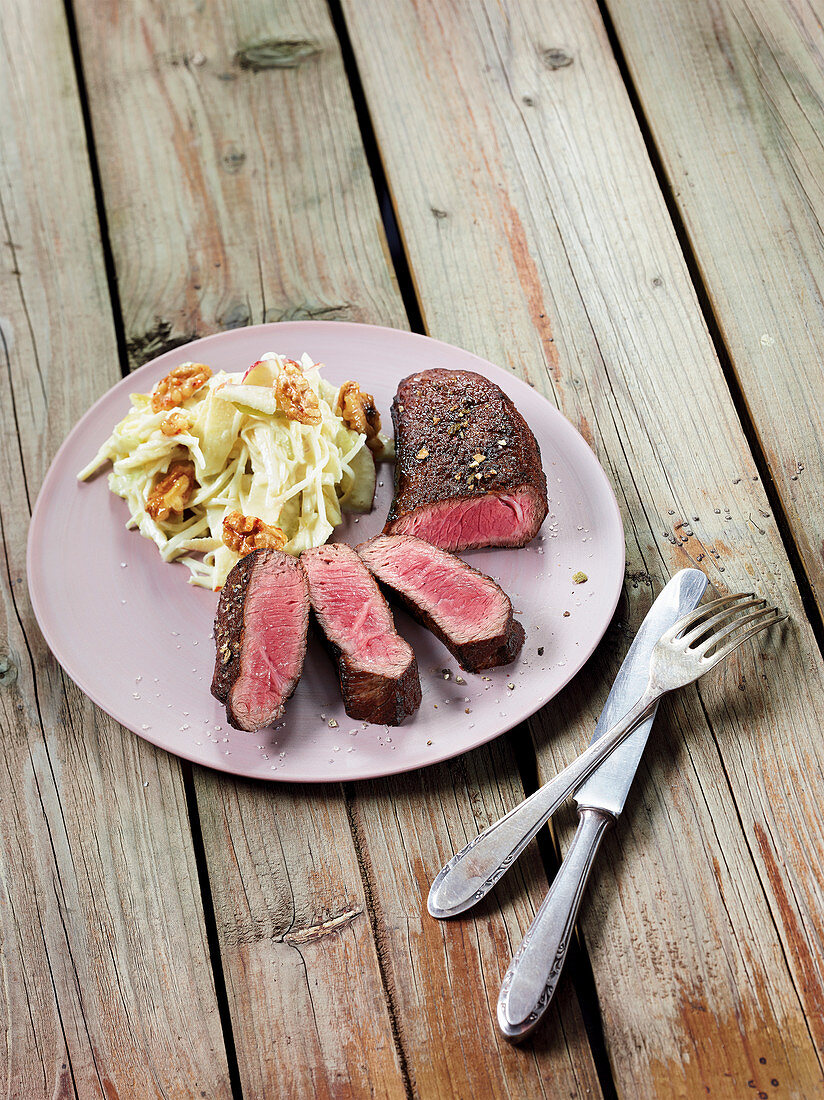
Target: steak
{"points": [[377, 669], [464, 608], [260, 635], [468, 471]]}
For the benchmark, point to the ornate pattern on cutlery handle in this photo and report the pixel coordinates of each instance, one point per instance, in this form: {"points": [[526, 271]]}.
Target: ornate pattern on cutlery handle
{"points": [[478, 866], [499, 874], [533, 973], [459, 885]]}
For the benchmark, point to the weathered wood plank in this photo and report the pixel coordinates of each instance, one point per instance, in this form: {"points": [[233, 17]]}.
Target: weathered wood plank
{"points": [[734, 94], [214, 128], [538, 238], [444, 978], [309, 1006], [289, 227], [107, 988]]}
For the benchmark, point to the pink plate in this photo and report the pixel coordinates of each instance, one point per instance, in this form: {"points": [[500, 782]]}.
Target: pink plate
{"points": [[137, 638]]}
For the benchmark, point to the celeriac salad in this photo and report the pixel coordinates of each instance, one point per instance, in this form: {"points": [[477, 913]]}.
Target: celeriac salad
{"points": [[215, 465]]}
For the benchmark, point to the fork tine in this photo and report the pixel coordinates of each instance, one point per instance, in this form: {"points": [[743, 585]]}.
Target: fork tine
{"points": [[722, 616], [726, 650], [713, 605], [735, 624]]}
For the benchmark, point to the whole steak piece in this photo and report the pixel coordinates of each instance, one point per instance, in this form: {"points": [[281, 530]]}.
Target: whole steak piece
{"points": [[468, 470], [465, 609], [377, 669], [260, 634]]}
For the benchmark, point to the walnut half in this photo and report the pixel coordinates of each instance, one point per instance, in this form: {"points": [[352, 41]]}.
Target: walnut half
{"points": [[358, 412], [173, 491], [175, 423], [295, 396], [243, 534], [179, 385]]}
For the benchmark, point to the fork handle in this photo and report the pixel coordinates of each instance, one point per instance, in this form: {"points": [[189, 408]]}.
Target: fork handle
{"points": [[533, 974], [473, 871]]}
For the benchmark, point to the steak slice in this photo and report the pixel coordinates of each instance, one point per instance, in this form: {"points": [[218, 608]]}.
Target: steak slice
{"points": [[377, 669], [260, 635], [464, 608], [468, 471]]}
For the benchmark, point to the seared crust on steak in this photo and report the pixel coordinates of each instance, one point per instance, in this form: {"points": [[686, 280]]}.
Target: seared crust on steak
{"points": [[458, 438], [370, 696], [476, 656], [229, 626]]}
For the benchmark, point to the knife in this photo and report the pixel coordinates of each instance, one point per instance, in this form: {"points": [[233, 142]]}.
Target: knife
{"points": [[533, 974]]}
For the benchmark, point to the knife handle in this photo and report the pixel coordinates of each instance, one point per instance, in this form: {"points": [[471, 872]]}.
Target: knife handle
{"points": [[533, 974]]}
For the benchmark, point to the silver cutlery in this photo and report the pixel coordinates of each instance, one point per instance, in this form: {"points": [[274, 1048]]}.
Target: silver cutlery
{"points": [[534, 972], [696, 643]]}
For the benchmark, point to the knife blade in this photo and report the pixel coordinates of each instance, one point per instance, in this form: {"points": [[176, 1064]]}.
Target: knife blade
{"points": [[608, 786], [533, 974]]}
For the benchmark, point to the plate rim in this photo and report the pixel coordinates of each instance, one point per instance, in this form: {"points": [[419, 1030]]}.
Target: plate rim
{"points": [[125, 384]]}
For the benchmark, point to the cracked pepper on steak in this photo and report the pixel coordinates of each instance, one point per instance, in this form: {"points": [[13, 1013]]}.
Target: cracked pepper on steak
{"points": [[468, 470]]}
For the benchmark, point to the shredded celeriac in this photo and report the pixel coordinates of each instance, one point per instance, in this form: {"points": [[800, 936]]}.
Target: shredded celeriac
{"points": [[289, 474]]}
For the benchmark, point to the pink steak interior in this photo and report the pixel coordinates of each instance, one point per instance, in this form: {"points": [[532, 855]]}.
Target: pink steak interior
{"points": [[353, 612], [508, 519], [274, 640], [466, 605]]}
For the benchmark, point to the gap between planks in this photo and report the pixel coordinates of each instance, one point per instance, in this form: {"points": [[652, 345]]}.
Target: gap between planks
{"points": [[399, 261], [210, 923], [783, 525], [578, 968], [380, 946], [97, 189], [739, 400]]}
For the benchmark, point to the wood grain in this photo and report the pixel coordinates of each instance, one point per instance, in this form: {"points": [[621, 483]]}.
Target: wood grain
{"points": [[106, 984], [231, 169], [734, 94], [444, 977], [308, 1003], [532, 181], [325, 945]]}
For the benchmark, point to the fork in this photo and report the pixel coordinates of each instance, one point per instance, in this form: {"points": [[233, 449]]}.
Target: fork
{"points": [[689, 649]]}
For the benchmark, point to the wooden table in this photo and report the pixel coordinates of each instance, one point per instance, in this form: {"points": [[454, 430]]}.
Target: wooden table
{"points": [[622, 204]]}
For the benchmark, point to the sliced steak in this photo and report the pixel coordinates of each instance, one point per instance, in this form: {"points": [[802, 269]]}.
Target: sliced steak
{"points": [[377, 669], [465, 609], [260, 635], [468, 470]]}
